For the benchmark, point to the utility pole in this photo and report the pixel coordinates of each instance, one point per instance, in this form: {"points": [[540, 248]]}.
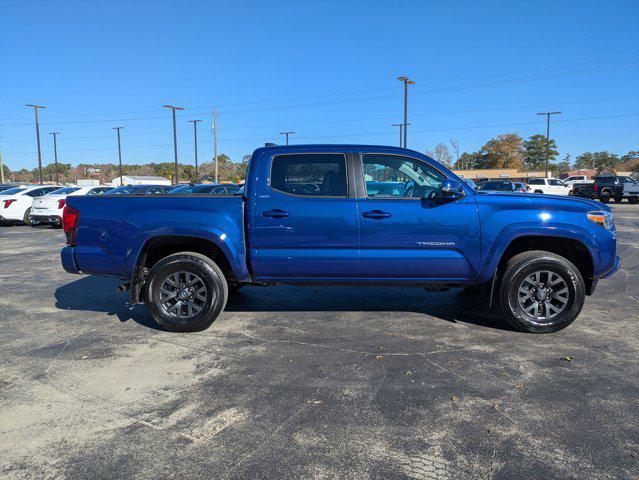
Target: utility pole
{"points": [[37, 125], [173, 109], [407, 82], [401, 129], [194, 122], [119, 155], [217, 170], [286, 134], [1, 168], [548, 114], [55, 154]]}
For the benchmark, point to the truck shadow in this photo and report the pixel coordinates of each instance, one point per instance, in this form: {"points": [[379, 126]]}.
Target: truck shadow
{"points": [[98, 294]]}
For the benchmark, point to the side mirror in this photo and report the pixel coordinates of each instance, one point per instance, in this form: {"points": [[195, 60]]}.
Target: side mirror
{"points": [[452, 189]]}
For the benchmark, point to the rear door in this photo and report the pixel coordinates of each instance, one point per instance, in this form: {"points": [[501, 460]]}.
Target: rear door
{"points": [[404, 234], [305, 222]]}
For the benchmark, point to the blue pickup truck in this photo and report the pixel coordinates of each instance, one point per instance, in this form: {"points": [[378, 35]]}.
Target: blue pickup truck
{"points": [[345, 214]]}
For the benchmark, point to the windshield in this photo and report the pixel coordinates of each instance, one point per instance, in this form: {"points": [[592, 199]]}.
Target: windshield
{"points": [[11, 191], [64, 191]]}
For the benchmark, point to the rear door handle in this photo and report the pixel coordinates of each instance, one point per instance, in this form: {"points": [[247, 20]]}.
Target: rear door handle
{"points": [[376, 214], [275, 213]]}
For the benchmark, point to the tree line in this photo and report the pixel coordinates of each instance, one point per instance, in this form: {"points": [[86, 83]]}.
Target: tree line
{"points": [[510, 150]]}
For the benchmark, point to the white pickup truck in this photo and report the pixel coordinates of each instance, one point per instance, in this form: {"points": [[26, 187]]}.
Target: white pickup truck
{"points": [[549, 186], [570, 181]]}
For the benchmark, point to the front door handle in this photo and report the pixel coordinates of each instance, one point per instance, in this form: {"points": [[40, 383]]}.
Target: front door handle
{"points": [[275, 213], [376, 214]]}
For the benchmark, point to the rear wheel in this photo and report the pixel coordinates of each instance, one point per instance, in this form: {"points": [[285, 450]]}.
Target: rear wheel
{"points": [[541, 292], [27, 221], [539, 191], [185, 292], [605, 196]]}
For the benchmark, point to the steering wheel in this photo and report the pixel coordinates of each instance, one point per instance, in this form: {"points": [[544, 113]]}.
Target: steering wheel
{"points": [[409, 188]]}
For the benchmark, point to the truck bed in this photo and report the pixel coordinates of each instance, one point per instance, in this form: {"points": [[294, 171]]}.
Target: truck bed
{"points": [[112, 229]]}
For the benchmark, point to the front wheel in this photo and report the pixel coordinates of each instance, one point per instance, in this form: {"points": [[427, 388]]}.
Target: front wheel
{"points": [[541, 292], [185, 292], [27, 219]]}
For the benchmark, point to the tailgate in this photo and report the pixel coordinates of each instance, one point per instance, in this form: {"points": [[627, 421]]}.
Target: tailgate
{"points": [[112, 229]]}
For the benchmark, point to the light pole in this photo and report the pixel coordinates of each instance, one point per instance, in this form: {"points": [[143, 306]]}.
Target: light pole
{"points": [[286, 134], [407, 82], [174, 108], [1, 168], [55, 153], [548, 114], [194, 122], [119, 155], [37, 125]]}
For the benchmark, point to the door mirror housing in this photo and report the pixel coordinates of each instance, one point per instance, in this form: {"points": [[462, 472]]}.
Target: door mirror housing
{"points": [[452, 189]]}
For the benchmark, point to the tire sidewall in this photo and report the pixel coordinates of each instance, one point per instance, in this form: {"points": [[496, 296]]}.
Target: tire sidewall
{"points": [[212, 278], [509, 294]]}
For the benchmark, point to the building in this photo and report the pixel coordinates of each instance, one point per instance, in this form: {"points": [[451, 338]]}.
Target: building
{"points": [[140, 180], [498, 173]]}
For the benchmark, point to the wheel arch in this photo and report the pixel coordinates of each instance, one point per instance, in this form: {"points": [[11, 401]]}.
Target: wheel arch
{"points": [[156, 247]]}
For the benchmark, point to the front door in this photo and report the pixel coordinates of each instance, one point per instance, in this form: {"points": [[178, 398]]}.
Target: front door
{"points": [[407, 231], [305, 222]]}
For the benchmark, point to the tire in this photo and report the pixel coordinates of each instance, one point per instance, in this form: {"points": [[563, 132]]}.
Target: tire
{"points": [[571, 193], [519, 309], [177, 273], [633, 200], [618, 199], [539, 191], [27, 221], [605, 196]]}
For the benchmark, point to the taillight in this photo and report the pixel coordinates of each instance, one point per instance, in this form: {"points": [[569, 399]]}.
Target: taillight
{"points": [[62, 203], [595, 187], [8, 202], [70, 218]]}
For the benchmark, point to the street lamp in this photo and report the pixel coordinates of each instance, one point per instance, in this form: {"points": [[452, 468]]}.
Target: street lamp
{"points": [[407, 82], [194, 122], [37, 125], [548, 114], [174, 108], [119, 155], [286, 134], [55, 154]]}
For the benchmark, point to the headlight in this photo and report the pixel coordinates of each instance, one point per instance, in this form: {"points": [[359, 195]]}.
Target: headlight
{"points": [[605, 219]]}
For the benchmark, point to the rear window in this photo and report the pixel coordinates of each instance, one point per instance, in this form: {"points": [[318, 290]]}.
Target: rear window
{"points": [[315, 175], [64, 191], [501, 186], [12, 191]]}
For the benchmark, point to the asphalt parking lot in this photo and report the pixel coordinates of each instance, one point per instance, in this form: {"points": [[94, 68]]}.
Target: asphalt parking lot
{"points": [[309, 382]]}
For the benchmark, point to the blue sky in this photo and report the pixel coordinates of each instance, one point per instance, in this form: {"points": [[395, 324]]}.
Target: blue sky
{"points": [[325, 70]]}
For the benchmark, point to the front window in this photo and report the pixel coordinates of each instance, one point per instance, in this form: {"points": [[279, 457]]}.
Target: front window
{"points": [[393, 176], [64, 191], [313, 175]]}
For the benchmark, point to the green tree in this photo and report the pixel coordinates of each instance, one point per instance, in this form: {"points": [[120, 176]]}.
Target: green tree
{"points": [[535, 152], [565, 165], [469, 160], [7, 172], [597, 160]]}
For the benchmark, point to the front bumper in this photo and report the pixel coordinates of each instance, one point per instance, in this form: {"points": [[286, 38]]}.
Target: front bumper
{"points": [[616, 266], [67, 256]]}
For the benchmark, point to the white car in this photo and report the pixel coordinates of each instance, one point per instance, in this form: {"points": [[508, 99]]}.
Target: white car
{"points": [[549, 186], [15, 203], [48, 208]]}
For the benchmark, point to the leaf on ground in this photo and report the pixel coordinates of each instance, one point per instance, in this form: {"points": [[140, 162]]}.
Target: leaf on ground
{"points": [[567, 358], [379, 357], [407, 372], [496, 406], [454, 398]]}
